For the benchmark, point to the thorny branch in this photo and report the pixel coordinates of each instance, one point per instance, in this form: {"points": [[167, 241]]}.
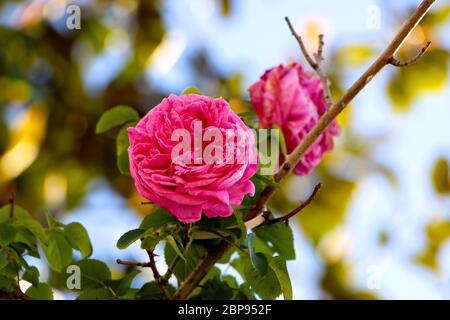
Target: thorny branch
{"points": [[160, 282], [133, 263], [386, 58], [383, 60], [302, 206]]}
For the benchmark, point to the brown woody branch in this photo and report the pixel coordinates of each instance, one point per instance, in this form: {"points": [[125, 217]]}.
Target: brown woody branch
{"points": [[160, 282], [205, 264], [397, 63], [16, 294], [302, 206], [292, 159], [383, 60], [316, 63]]}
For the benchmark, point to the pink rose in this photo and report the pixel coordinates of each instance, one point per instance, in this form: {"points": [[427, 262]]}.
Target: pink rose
{"points": [[292, 99], [179, 180]]}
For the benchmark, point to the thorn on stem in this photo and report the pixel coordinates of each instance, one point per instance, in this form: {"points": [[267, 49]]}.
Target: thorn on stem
{"points": [[308, 58], [132, 263]]}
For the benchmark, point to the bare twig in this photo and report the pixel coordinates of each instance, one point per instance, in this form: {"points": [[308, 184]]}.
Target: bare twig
{"points": [[316, 63], [299, 208], [214, 254], [133, 263], [146, 202], [305, 52], [395, 62]]}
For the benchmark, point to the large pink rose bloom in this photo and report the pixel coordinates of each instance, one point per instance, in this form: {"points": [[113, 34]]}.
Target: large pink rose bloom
{"points": [[188, 188], [292, 99]]}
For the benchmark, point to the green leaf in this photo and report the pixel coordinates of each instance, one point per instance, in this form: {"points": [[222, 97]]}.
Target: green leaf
{"points": [[216, 289], [259, 260], [267, 180], [183, 268], [115, 117], [171, 241], [263, 247], [227, 256], [278, 265], [78, 238], [241, 226], [52, 222], [157, 219], [280, 236], [23, 218], [190, 90], [266, 286], [94, 273], [241, 292], [3, 259], [129, 238], [36, 228], [7, 234], [58, 251], [150, 243], [31, 275], [151, 291], [121, 286], [249, 113], [41, 292], [14, 266], [96, 294], [122, 143], [239, 265], [7, 283], [28, 239]]}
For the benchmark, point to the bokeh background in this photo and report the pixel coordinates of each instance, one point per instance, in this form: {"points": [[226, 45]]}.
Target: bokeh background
{"points": [[378, 229]]}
